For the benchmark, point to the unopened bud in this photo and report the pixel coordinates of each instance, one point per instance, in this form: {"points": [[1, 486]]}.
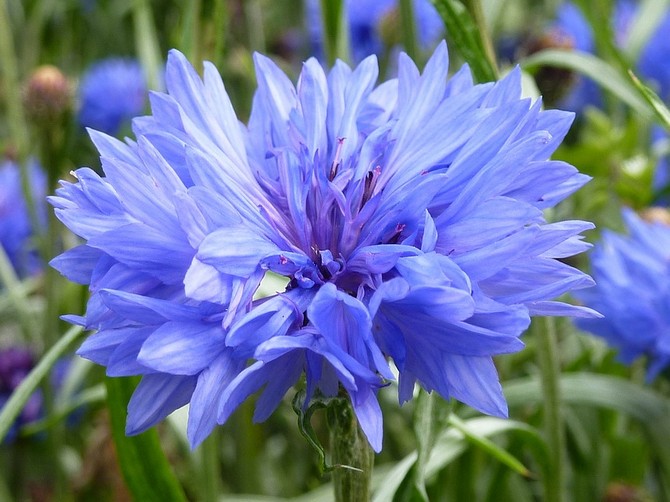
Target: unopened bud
{"points": [[47, 95], [656, 215]]}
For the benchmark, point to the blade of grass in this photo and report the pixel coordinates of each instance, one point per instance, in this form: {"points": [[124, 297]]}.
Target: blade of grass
{"points": [[602, 73], [25, 389], [145, 468], [662, 112]]}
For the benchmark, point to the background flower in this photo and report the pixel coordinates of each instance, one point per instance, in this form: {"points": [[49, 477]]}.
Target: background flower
{"points": [[16, 232], [111, 92], [633, 292], [15, 364]]}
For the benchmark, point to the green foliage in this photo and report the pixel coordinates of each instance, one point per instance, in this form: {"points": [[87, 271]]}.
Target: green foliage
{"points": [[147, 472]]}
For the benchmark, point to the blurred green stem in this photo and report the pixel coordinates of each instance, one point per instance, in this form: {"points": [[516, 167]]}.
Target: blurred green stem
{"points": [[408, 24], [146, 42], [210, 467], [253, 12], [544, 331], [16, 119], [220, 30], [477, 13], [351, 456], [335, 30]]}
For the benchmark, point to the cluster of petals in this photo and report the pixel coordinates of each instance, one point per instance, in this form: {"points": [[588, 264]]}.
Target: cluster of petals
{"points": [[633, 292], [406, 219]]}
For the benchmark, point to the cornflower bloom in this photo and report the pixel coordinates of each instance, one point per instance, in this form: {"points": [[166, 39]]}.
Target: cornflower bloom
{"points": [[16, 229], [406, 219], [111, 92], [632, 292]]}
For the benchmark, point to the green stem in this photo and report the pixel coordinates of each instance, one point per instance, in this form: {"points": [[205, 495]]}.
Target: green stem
{"points": [[220, 30], [335, 30], [146, 42], [253, 12], [407, 20], [549, 364], [477, 13], [209, 470], [352, 457], [16, 119]]}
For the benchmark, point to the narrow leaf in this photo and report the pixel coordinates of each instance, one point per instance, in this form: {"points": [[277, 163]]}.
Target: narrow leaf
{"points": [[145, 468], [594, 68], [23, 392], [661, 111], [489, 446], [467, 38]]}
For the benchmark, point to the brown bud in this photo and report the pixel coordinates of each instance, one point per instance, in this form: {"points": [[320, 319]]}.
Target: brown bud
{"points": [[47, 94], [656, 215]]}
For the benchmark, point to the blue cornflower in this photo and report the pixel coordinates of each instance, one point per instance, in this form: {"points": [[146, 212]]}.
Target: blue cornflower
{"points": [[15, 364], [633, 292], [111, 92], [16, 231], [369, 19], [406, 219]]}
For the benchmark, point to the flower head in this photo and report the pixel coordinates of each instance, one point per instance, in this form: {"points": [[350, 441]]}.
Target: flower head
{"points": [[633, 292], [406, 219], [16, 230], [111, 93]]}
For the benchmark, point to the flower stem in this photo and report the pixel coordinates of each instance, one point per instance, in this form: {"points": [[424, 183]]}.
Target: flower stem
{"points": [[407, 19], [146, 43], [352, 457], [477, 13], [16, 119], [548, 361]]}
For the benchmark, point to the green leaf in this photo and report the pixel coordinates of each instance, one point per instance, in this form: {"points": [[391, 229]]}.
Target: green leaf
{"points": [[587, 389], [604, 74], [648, 16], [467, 38], [661, 111], [489, 446], [145, 468], [23, 392], [451, 444]]}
